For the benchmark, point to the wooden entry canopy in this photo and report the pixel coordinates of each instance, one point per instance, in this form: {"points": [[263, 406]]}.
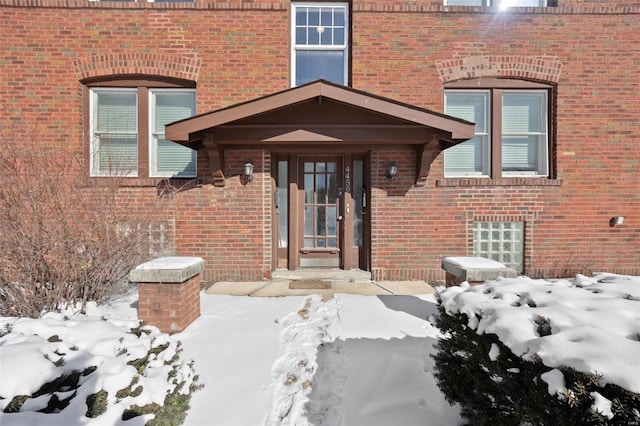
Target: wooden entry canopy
{"points": [[325, 114]]}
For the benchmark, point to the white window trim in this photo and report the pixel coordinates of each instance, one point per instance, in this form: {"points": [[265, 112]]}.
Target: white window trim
{"points": [[153, 140], [543, 137], [94, 145], [486, 136], [295, 47]]}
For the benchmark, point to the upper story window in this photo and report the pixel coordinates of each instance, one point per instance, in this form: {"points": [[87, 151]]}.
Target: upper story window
{"points": [[126, 129], [503, 4], [512, 130], [320, 40]]}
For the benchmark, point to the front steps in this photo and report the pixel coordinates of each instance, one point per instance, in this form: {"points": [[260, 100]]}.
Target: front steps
{"points": [[329, 274]]}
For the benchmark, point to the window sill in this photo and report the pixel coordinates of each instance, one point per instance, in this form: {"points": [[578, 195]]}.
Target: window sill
{"points": [[506, 181], [132, 181]]}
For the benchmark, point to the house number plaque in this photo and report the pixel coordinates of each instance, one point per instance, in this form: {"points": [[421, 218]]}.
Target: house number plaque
{"points": [[347, 179]]}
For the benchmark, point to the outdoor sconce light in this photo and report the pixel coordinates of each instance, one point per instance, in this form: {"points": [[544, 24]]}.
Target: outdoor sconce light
{"points": [[616, 220], [392, 172], [248, 172]]}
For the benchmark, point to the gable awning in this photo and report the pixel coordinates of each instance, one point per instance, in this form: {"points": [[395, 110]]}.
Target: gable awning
{"points": [[324, 113]]}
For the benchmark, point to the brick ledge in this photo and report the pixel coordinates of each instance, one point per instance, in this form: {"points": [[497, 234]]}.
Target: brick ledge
{"points": [[474, 182]]}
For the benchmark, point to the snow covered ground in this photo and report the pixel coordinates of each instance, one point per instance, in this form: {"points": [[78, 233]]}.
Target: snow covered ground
{"points": [[364, 360], [299, 360]]}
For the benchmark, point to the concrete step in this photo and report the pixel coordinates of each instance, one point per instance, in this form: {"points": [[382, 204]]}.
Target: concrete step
{"points": [[330, 274]]}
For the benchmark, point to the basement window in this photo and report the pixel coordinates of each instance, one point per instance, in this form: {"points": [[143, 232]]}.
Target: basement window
{"points": [[500, 241]]}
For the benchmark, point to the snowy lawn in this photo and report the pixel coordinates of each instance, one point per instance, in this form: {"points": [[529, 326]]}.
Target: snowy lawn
{"points": [[350, 360]]}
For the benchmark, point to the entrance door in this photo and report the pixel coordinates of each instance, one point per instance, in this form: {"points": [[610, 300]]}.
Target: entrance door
{"points": [[320, 211], [320, 214]]}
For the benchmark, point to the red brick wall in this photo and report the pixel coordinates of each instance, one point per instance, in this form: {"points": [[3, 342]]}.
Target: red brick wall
{"points": [[170, 307], [239, 50], [597, 167]]}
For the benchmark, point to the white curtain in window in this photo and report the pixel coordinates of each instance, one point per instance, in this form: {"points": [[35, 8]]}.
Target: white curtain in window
{"points": [[116, 131], [172, 158]]}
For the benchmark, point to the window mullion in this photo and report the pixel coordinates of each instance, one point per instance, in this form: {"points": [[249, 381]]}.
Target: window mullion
{"points": [[143, 132], [496, 133]]}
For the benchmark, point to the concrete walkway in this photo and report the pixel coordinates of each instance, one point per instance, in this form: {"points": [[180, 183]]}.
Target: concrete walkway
{"points": [[281, 287]]}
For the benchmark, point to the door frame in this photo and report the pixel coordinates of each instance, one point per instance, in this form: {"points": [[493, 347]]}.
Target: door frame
{"points": [[350, 256]]}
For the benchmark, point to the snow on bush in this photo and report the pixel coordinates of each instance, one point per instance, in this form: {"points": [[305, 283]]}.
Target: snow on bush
{"points": [[63, 370], [577, 340]]}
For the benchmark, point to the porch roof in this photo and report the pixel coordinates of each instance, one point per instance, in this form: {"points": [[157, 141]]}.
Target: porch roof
{"points": [[320, 111], [320, 115]]}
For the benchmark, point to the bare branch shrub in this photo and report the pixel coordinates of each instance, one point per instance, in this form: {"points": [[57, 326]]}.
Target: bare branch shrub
{"points": [[64, 237]]}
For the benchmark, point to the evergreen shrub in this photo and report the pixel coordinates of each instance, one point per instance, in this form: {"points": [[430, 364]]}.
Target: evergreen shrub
{"points": [[497, 387]]}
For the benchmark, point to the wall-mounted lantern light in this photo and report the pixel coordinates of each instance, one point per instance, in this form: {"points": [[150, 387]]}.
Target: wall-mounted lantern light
{"points": [[248, 172], [616, 220], [392, 171]]}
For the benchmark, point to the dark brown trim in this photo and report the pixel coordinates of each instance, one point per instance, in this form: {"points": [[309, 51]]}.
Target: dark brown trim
{"points": [[496, 83], [141, 83], [496, 88], [191, 129], [216, 161], [138, 81], [86, 127], [495, 144], [426, 153], [294, 257], [347, 207], [143, 132], [323, 133]]}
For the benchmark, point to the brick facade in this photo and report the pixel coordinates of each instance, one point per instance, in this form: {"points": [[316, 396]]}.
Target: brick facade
{"points": [[239, 50], [169, 306]]}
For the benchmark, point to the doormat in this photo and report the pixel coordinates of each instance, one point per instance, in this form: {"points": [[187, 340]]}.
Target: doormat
{"points": [[309, 285]]}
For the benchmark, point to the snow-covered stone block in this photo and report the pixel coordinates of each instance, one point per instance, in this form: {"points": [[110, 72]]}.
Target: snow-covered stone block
{"points": [[474, 270], [172, 269]]}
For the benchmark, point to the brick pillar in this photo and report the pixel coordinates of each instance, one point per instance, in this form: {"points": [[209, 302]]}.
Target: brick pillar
{"points": [[169, 292]]}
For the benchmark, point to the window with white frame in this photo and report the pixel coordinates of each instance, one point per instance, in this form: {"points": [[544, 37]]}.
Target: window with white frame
{"points": [[503, 4], [169, 159], [524, 133], [500, 241], [320, 40], [470, 158], [114, 132], [512, 133], [119, 132]]}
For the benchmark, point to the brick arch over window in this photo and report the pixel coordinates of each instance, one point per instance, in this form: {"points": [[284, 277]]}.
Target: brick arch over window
{"points": [[540, 68], [165, 65]]}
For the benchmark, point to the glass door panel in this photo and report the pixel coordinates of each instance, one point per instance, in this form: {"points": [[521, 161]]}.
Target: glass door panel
{"points": [[321, 211]]}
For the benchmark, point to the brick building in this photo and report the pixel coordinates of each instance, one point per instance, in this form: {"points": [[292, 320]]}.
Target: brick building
{"points": [[341, 134]]}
